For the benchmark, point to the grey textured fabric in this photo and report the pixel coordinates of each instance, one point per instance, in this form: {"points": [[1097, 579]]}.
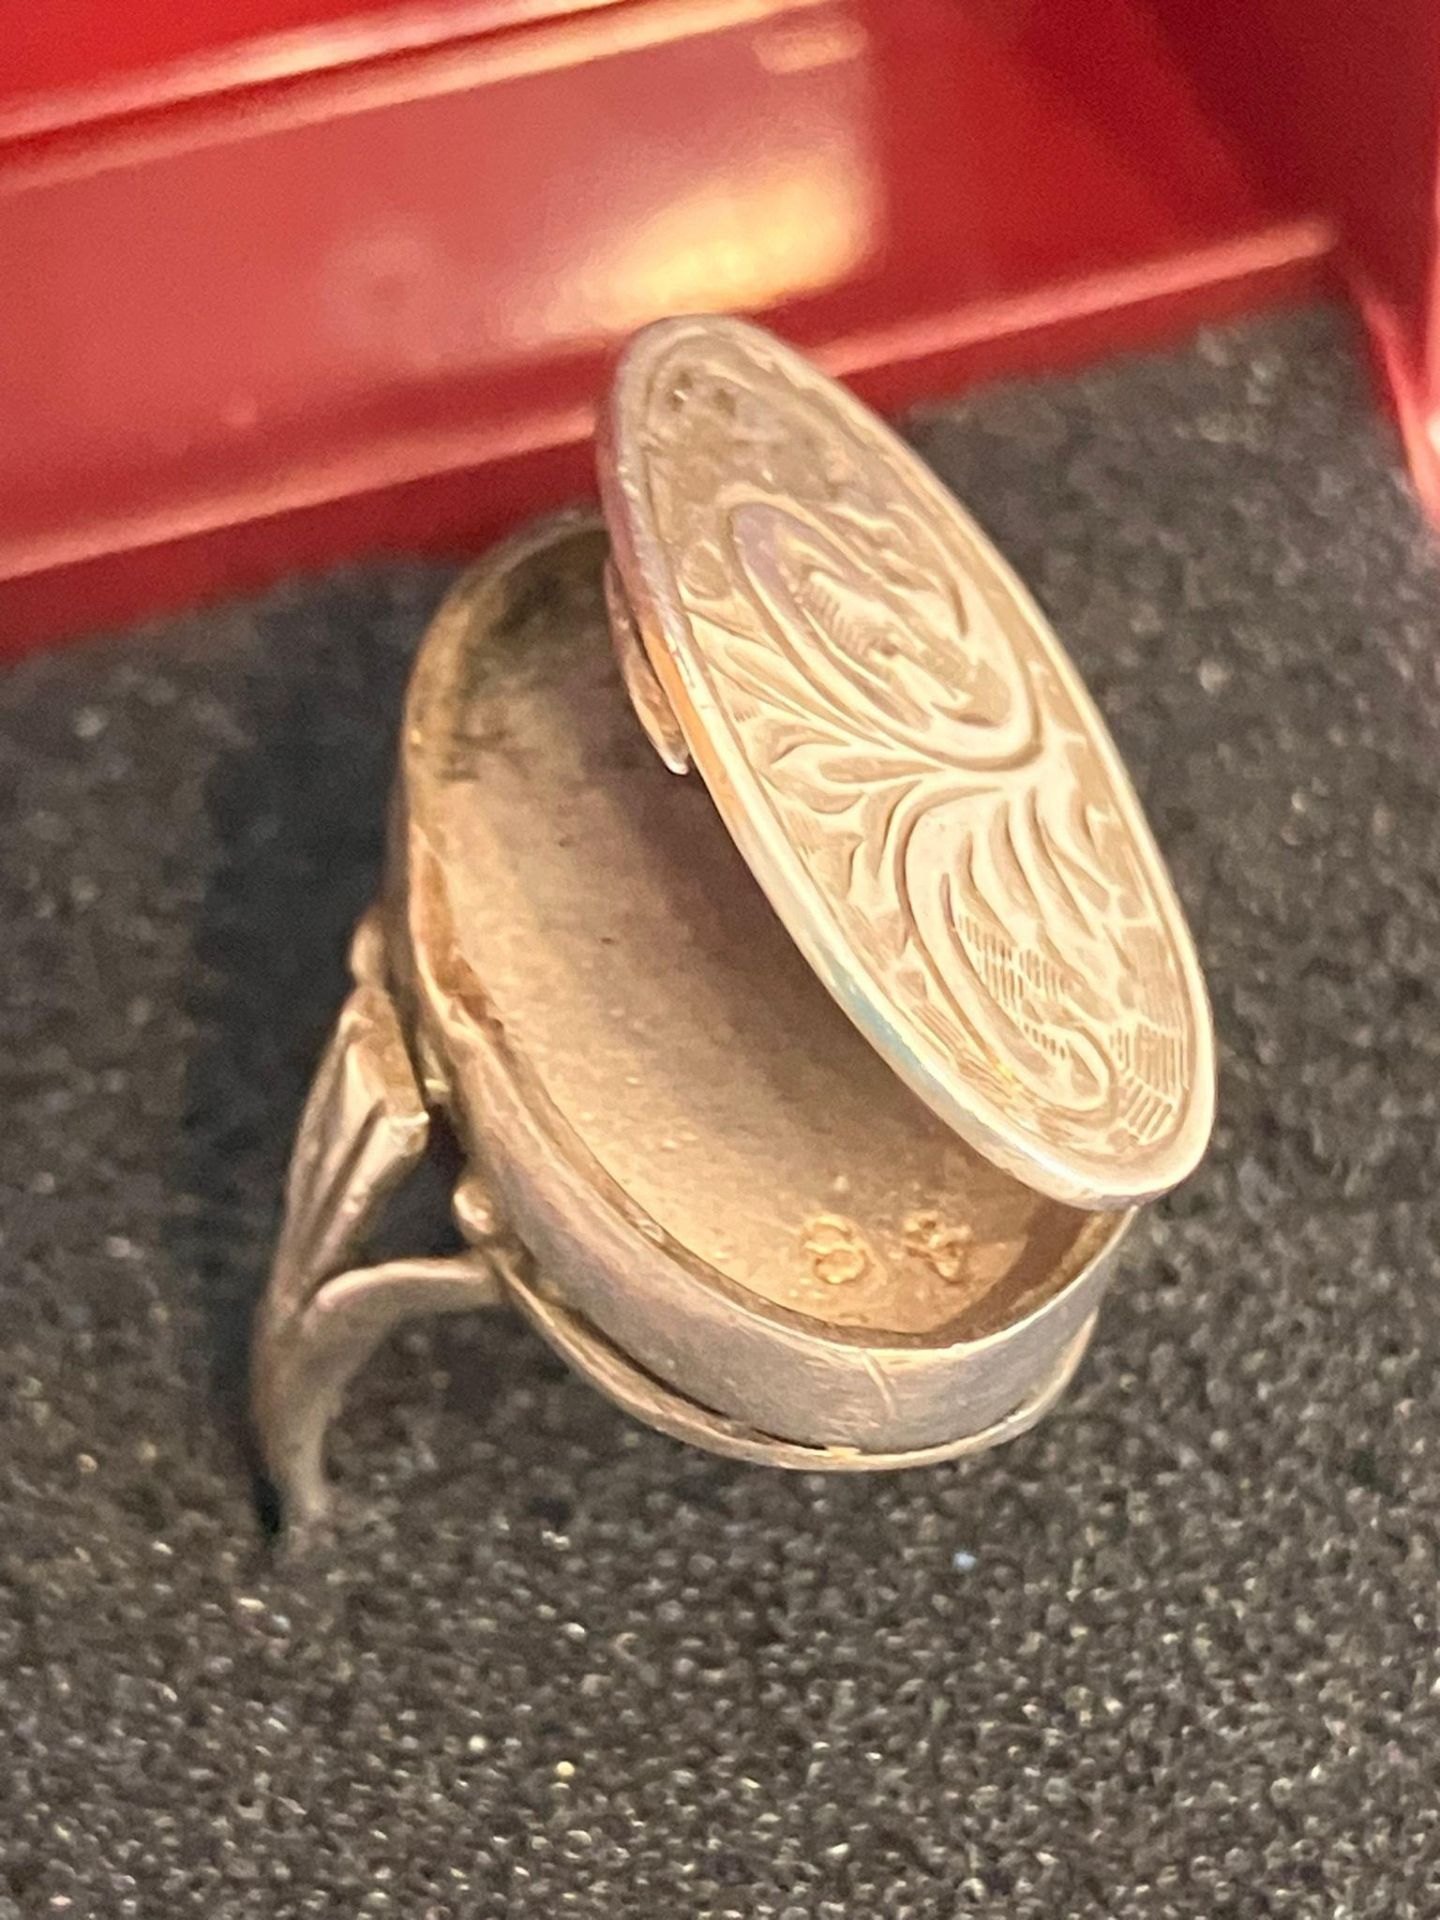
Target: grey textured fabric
{"points": [[1173, 1654]]}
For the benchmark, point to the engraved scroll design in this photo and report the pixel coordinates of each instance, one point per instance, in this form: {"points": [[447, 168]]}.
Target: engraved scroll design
{"points": [[934, 776]]}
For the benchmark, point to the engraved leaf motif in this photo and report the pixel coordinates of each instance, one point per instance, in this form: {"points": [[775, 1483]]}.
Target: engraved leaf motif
{"points": [[835, 778], [823, 776]]}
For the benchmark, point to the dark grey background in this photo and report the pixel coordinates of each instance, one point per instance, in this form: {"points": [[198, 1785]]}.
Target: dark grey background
{"points": [[1174, 1654]]}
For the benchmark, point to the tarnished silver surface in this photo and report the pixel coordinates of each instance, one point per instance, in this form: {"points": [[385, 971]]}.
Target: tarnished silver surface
{"points": [[685, 1165], [916, 775]]}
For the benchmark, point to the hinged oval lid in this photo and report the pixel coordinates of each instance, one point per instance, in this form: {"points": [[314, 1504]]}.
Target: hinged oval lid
{"points": [[905, 756]]}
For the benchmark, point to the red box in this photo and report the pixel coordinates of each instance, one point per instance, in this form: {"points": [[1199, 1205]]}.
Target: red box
{"points": [[286, 283]]}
